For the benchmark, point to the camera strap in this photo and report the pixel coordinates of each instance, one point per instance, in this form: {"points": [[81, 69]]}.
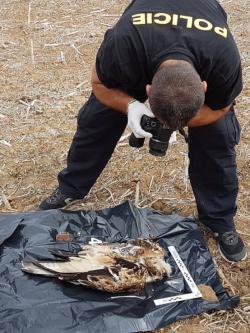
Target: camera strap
{"points": [[184, 134]]}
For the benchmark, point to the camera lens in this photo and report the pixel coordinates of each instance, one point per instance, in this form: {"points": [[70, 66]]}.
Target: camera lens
{"points": [[157, 148]]}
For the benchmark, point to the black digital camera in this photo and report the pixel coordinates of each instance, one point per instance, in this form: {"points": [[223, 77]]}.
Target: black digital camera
{"points": [[158, 144]]}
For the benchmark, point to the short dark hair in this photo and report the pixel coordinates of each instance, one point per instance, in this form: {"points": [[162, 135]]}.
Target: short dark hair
{"points": [[176, 94]]}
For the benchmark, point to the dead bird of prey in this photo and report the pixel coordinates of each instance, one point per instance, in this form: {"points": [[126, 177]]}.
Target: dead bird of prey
{"points": [[111, 267]]}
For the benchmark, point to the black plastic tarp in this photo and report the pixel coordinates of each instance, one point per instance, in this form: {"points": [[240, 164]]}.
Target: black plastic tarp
{"points": [[30, 303]]}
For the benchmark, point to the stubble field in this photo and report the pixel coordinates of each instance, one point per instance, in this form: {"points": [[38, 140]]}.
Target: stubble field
{"points": [[47, 48]]}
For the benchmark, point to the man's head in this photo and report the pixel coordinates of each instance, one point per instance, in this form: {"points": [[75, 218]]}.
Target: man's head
{"points": [[176, 93]]}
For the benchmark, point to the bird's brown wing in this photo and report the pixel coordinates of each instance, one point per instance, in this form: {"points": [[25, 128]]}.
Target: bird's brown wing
{"points": [[110, 267]]}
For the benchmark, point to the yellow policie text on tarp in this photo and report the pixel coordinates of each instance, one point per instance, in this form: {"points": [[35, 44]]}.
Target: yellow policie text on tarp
{"points": [[178, 20]]}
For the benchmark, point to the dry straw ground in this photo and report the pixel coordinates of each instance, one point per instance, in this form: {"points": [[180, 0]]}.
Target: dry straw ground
{"points": [[47, 48]]}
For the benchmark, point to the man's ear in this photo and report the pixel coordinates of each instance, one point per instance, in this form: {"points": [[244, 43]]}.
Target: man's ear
{"points": [[148, 89], [204, 85]]}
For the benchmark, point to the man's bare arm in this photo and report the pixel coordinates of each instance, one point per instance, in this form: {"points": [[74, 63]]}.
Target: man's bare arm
{"points": [[206, 116], [114, 98], [118, 100]]}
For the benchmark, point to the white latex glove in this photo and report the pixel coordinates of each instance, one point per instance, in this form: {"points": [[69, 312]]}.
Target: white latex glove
{"points": [[136, 110]]}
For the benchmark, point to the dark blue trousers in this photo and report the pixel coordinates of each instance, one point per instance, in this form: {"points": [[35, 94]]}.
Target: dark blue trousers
{"points": [[212, 157]]}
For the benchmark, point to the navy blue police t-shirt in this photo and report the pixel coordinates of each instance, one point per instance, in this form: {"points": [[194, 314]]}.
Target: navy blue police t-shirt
{"points": [[150, 32]]}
